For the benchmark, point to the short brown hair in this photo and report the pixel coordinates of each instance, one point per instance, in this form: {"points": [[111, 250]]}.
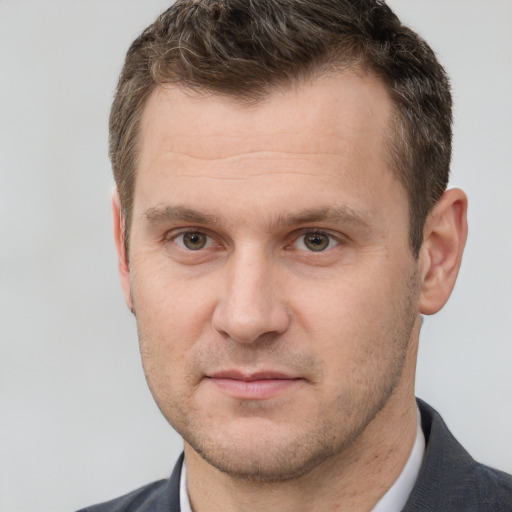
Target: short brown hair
{"points": [[245, 48]]}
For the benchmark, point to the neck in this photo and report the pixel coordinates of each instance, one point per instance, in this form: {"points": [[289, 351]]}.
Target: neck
{"points": [[351, 481]]}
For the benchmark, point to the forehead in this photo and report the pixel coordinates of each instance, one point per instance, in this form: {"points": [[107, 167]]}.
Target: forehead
{"points": [[321, 144], [321, 116]]}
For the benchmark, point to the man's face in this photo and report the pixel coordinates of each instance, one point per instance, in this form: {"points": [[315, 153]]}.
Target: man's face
{"points": [[275, 292]]}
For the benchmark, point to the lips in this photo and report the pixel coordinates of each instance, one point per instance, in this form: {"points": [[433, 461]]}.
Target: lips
{"points": [[262, 375], [261, 385]]}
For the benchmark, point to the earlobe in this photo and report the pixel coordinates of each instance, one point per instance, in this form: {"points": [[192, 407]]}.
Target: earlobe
{"points": [[122, 257], [445, 236]]}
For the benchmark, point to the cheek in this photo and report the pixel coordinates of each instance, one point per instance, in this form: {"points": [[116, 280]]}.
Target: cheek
{"points": [[172, 315], [356, 321], [341, 305], [169, 301]]}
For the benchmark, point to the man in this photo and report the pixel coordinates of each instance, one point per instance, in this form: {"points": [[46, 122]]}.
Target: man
{"points": [[281, 222]]}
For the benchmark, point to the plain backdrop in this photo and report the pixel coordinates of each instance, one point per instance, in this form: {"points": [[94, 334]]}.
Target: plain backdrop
{"points": [[77, 422]]}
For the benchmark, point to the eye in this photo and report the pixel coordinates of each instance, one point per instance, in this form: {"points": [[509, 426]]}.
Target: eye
{"points": [[315, 241], [193, 240]]}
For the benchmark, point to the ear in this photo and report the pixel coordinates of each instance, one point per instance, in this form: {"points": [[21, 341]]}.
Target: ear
{"points": [[122, 257], [444, 238]]}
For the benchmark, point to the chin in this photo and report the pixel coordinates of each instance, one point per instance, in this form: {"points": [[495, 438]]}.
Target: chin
{"points": [[266, 453], [264, 464]]}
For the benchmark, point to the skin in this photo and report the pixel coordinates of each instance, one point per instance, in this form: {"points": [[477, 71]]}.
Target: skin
{"points": [[288, 371]]}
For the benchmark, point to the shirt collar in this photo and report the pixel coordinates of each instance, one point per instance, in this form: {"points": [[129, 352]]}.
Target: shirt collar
{"points": [[398, 494], [184, 500]]}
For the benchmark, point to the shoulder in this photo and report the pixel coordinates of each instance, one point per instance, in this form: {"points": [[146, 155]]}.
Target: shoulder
{"points": [[492, 486], [450, 479], [160, 496], [142, 499]]}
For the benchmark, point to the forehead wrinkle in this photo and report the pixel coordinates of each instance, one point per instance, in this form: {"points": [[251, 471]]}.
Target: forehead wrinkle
{"points": [[226, 178], [263, 154]]}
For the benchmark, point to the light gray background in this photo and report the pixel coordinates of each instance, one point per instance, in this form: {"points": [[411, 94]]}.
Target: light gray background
{"points": [[77, 423]]}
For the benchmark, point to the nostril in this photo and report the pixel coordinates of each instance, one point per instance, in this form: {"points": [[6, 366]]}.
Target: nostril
{"points": [[251, 323]]}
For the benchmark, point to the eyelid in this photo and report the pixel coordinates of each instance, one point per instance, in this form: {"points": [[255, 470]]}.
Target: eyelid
{"points": [[337, 238], [172, 235], [213, 239]]}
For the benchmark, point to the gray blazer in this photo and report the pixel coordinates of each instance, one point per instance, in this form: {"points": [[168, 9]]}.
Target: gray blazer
{"points": [[449, 480]]}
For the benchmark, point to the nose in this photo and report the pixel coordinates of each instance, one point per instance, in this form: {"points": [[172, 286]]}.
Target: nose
{"points": [[249, 307]]}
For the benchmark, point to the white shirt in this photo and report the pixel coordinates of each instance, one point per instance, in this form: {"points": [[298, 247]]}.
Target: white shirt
{"points": [[394, 499], [398, 494]]}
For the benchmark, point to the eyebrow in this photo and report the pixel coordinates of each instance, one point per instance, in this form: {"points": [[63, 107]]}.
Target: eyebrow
{"points": [[158, 214], [334, 214]]}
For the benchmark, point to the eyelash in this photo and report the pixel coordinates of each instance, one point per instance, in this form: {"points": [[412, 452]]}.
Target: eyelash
{"points": [[209, 239], [332, 240]]}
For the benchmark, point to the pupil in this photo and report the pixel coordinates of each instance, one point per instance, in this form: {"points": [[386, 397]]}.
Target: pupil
{"points": [[317, 242]]}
